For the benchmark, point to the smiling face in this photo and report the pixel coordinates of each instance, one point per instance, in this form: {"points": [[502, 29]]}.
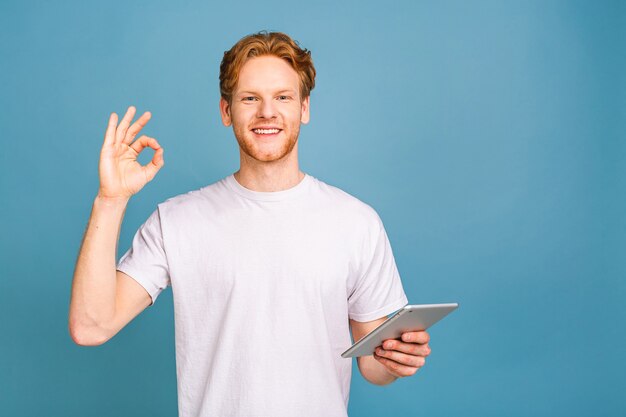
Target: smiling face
{"points": [[266, 109]]}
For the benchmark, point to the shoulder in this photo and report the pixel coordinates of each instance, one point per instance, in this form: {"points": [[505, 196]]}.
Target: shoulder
{"points": [[194, 201], [346, 204]]}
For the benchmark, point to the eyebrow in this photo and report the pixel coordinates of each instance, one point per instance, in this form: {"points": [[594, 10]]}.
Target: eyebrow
{"points": [[288, 90]]}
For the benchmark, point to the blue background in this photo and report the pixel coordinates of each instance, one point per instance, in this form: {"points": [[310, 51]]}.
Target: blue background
{"points": [[489, 136]]}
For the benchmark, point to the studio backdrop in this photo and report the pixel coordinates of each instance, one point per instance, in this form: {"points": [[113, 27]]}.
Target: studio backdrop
{"points": [[489, 136]]}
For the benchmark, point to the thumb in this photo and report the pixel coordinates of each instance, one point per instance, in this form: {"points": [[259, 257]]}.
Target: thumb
{"points": [[152, 167]]}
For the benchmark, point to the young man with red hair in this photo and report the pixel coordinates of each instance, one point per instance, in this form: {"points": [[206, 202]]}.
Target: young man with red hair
{"points": [[271, 268]]}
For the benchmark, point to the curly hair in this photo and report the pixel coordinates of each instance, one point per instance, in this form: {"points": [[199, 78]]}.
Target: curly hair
{"points": [[266, 43]]}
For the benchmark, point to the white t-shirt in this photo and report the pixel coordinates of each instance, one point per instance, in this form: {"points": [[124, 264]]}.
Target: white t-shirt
{"points": [[263, 286]]}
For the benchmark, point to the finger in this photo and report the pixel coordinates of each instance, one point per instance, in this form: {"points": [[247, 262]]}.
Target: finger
{"points": [[151, 169], [410, 348], [416, 337], [402, 358], [143, 142], [396, 368], [121, 129], [136, 127], [109, 135]]}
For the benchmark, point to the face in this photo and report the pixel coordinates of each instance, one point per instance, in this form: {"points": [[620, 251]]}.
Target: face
{"points": [[266, 109]]}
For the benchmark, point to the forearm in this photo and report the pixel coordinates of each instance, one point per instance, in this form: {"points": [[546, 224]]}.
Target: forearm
{"points": [[94, 285], [374, 371]]}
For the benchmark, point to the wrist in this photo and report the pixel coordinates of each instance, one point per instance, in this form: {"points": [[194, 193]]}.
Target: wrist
{"points": [[374, 371], [112, 202]]}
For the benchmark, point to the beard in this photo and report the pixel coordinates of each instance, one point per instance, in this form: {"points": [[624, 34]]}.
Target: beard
{"points": [[269, 150]]}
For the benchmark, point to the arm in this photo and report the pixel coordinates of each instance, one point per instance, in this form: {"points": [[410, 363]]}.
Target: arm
{"points": [[104, 300], [396, 358]]}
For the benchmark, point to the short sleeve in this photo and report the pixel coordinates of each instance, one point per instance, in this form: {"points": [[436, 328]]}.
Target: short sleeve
{"points": [[146, 261], [378, 291]]}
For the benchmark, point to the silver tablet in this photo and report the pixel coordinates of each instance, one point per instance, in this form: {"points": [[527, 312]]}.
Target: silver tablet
{"points": [[410, 318]]}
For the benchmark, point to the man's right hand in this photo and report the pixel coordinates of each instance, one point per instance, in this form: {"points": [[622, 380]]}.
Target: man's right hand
{"points": [[121, 175]]}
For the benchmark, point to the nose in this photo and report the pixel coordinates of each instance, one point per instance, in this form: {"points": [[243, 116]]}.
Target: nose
{"points": [[266, 110]]}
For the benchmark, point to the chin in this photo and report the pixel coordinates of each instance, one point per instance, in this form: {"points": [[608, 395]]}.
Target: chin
{"points": [[266, 155]]}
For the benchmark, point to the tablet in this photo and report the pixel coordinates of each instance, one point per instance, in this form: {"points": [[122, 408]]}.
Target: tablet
{"points": [[410, 318]]}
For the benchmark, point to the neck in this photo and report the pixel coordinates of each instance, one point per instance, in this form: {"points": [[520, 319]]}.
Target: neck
{"points": [[269, 176]]}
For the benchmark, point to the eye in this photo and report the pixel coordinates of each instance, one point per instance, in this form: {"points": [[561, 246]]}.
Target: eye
{"points": [[249, 98], [284, 98]]}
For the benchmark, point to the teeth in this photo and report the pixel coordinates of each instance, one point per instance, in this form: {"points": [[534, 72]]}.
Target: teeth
{"points": [[265, 131]]}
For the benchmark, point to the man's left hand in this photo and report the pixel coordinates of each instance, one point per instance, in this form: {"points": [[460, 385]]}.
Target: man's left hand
{"points": [[404, 357]]}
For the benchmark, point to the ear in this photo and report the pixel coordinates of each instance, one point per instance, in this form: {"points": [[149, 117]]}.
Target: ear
{"points": [[225, 112], [305, 110]]}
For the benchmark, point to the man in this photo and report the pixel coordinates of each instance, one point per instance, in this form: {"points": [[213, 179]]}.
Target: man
{"points": [[270, 268]]}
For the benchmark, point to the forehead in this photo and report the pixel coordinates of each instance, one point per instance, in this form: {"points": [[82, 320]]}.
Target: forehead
{"points": [[267, 73]]}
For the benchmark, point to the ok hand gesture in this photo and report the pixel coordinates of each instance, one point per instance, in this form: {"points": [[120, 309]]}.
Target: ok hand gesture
{"points": [[121, 175]]}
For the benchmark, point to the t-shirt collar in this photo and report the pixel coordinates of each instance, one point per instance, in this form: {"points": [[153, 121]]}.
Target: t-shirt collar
{"points": [[287, 194]]}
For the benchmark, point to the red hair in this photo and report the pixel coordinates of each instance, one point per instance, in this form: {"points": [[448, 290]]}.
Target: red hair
{"points": [[266, 43]]}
